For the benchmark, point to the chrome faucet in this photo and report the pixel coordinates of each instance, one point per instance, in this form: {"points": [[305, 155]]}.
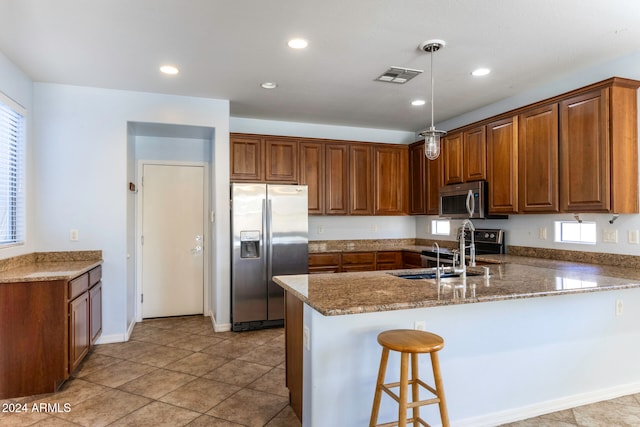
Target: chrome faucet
{"points": [[472, 247], [435, 247]]}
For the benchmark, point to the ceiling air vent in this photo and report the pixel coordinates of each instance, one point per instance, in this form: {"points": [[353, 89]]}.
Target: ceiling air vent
{"points": [[398, 75]]}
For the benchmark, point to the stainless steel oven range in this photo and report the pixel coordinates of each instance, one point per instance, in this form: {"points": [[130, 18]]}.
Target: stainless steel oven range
{"points": [[487, 241]]}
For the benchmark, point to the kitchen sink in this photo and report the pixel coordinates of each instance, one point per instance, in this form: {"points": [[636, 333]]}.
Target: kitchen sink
{"points": [[432, 275]]}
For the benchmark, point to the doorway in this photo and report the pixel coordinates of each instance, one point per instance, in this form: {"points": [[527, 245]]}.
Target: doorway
{"points": [[172, 245]]}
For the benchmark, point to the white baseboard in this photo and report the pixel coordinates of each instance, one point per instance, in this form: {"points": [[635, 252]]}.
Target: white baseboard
{"points": [[222, 327], [108, 339], [530, 411], [112, 338]]}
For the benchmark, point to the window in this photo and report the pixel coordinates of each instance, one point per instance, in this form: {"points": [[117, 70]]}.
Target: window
{"points": [[439, 226], [12, 126], [575, 232]]}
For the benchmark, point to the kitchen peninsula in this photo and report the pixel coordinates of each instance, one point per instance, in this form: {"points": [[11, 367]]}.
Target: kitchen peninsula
{"points": [[536, 336]]}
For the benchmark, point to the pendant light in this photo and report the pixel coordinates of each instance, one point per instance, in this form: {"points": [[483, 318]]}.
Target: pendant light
{"points": [[431, 135]]}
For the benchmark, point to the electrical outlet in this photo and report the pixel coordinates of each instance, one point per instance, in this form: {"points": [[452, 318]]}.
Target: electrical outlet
{"points": [[73, 235], [419, 325], [374, 228], [610, 236], [306, 339], [619, 307], [633, 237], [542, 233]]}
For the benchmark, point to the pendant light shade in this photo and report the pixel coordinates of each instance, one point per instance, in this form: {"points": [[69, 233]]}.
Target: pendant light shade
{"points": [[432, 136]]}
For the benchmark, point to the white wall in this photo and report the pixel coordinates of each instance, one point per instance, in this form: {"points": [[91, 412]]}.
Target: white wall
{"points": [[314, 130], [523, 230], [81, 158], [18, 86], [331, 227]]}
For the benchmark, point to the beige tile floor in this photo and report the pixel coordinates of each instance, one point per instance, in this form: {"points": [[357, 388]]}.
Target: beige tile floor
{"points": [[173, 372], [179, 372]]}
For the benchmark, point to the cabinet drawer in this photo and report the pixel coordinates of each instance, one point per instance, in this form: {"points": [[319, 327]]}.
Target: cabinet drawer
{"points": [[358, 258], [324, 260], [78, 285], [95, 275]]}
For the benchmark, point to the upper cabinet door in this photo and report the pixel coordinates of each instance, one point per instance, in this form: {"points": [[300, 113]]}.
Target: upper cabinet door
{"points": [[502, 165], [246, 158], [391, 186], [538, 159], [281, 160], [417, 179], [361, 188], [452, 153], [584, 152], [336, 179], [312, 174], [434, 182], [475, 155]]}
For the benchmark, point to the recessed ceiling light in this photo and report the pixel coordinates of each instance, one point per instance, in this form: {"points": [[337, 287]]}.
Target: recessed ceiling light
{"points": [[418, 102], [169, 69], [480, 72], [269, 85], [297, 43]]}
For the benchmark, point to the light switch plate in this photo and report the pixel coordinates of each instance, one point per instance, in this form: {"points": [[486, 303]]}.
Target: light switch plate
{"points": [[633, 237]]}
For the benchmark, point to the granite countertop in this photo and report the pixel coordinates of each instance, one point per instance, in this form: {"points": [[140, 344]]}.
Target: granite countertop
{"points": [[48, 266], [511, 277]]}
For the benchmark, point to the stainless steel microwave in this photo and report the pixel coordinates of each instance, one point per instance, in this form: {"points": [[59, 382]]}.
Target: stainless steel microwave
{"points": [[466, 200]]}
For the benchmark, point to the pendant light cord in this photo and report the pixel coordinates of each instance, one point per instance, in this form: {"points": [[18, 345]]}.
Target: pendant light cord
{"points": [[431, 55]]}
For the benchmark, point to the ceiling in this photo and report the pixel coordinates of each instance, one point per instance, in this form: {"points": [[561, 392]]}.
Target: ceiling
{"points": [[226, 48]]}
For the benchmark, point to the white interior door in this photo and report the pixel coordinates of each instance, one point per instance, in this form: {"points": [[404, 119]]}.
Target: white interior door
{"points": [[172, 240]]}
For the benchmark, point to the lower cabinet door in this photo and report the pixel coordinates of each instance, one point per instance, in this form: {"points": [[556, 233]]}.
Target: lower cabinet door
{"points": [[78, 330], [95, 302]]}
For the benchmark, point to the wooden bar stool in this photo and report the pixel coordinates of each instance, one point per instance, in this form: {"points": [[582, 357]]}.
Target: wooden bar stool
{"points": [[409, 342]]}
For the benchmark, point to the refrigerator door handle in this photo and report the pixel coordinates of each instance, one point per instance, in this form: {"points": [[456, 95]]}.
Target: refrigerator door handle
{"points": [[266, 242], [269, 238]]}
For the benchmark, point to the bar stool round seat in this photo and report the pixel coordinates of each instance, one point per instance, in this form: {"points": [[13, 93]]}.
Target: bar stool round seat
{"points": [[409, 342]]}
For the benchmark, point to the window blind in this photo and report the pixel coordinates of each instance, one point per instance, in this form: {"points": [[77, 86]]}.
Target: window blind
{"points": [[12, 212]]}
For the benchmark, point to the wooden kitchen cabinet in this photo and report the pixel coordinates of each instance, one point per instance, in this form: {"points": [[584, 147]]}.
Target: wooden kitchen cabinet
{"points": [[41, 349], [85, 315], [434, 182], [336, 179], [281, 160], [502, 165], [390, 180], [417, 179], [411, 260], [361, 179], [425, 180], [452, 150], [260, 158], [325, 262], [598, 150], [95, 304], [79, 339], [358, 261], [388, 260], [474, 156], [312, 174], [538, 160], [464, 155], [246, 158]]}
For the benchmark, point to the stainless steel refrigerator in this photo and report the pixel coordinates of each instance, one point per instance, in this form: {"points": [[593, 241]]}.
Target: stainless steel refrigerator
{"points": [[269, 237]]}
